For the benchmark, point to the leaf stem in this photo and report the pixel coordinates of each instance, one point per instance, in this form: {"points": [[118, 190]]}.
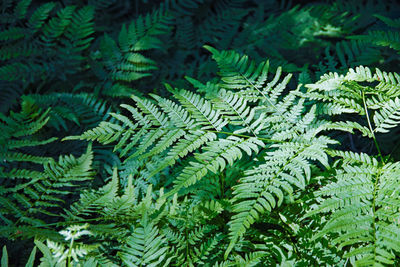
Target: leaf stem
{"points": [[370, 128]]}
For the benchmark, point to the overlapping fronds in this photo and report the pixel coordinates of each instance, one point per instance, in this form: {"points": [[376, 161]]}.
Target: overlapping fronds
{"points": [[123, 61], [37, 48], [199, 157], [388, 38], [34, 187], [176, 129], [363, 202], [342, 94]]}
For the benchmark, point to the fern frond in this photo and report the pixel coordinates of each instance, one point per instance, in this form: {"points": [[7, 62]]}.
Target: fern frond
{"points": [[43, 193], [237, 72], [40, 15], [344, 94], [92, 200], [82, 109], [364, 206], [215, 158], [201, 110], [48, 45], [21, 8], [13, 33], [356, 52], [235, 108], [381, 38], [192, 141], [81, 28], [146, 246], [264, 187], [156, 117], [56, 26], [388, 116], [123, 61], [179, 116]]}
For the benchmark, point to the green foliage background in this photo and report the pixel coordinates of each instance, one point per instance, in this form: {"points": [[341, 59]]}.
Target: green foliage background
{"points": [[199, 133]]}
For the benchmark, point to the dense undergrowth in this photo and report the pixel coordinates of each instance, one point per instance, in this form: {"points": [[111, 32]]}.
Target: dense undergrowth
{"points": [[199, 133]]}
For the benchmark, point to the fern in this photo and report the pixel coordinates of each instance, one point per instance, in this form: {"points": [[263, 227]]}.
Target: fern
{"points": [[29, 195], [140, 245], [122, 61], [390, 38], [145, 247], [265, 187], [272, 153], [297, 144], [38, 46], [364, 198], [343, 94], [23, 50], [153, 124], [363, 186], [81, 109]]}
